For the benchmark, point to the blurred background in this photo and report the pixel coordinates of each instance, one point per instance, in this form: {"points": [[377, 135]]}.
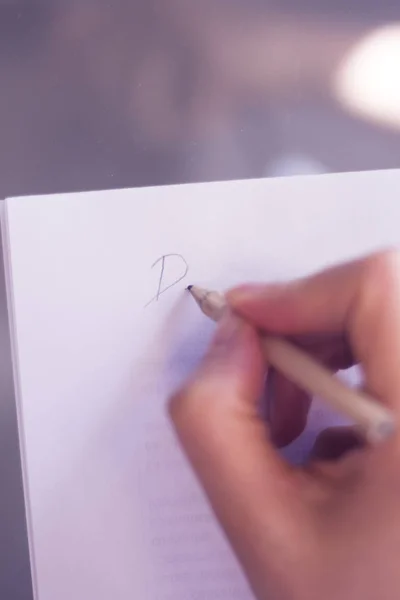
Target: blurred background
{"points": [[99, 94], [108, 94]]}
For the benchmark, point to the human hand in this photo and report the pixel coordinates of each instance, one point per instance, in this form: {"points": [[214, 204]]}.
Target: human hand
{"points": [[330, 529]]}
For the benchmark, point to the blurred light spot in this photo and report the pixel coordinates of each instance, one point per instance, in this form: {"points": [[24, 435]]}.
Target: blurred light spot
{"points": [[368, 80], [294, 164]]}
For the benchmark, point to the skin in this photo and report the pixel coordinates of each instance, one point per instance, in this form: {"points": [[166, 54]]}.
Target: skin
{"points": [[331, 528]]}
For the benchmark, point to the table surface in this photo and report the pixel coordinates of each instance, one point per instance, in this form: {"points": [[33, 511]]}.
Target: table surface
{"points": [[98, 94]]}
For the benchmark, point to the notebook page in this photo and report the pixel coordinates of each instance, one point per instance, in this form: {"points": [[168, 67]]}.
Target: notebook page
{"points": [[103, 331]]}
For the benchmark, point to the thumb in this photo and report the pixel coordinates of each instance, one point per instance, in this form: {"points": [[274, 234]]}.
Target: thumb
{"points": [[217, 421]]}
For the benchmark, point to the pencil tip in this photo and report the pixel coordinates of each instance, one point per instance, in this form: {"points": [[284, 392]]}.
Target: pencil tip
{"points": [[189, 287]]}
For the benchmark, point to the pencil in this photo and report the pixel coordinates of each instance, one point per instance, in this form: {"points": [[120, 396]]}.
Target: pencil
{"points": [[374, 421]]}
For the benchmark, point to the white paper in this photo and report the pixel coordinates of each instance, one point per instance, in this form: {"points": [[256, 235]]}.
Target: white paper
{"points": [[113, 509]]}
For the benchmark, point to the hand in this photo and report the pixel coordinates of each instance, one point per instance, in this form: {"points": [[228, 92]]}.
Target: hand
{"points": [[331, 529]]}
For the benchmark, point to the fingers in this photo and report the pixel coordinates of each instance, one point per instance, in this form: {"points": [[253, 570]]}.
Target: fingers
{"points": [[361, 298], [333, 443], [333, 350], [288, 409], [217, 421], [289, 405]]}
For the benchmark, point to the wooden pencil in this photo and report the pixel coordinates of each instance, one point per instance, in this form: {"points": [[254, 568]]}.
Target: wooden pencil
{"points": [[374, 421]]}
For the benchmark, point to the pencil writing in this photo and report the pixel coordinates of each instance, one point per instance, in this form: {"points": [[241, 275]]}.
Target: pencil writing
{"points": [[162, 262]]}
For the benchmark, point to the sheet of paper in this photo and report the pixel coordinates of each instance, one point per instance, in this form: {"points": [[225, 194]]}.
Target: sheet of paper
{"points": [[103, 332]]}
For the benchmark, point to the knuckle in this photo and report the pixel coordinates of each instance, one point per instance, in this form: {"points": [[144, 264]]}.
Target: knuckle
{"points": [[182, 405], [192, 407], [176, 405], [380, 279], [383, 266]]}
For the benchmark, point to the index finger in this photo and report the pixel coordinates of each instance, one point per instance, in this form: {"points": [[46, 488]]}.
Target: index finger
{"points": [[361, 298]]}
